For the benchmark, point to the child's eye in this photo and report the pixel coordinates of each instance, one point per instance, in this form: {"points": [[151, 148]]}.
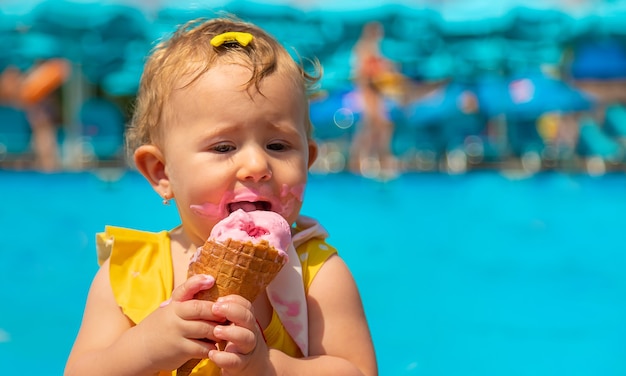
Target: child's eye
{"points": [[223, 148], [277, 146]]}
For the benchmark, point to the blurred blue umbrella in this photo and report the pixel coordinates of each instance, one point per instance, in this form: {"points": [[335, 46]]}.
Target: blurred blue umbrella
{"points": [[492, 94], [535, 94], [417, 24], [522, 100], [71, 23], [599, 59], [438, 106], [458, 19], [92, 34], [477, 55], [443, 120], [435, 67], [522, 56], [529, 96], [23, 49], [540, 21]]}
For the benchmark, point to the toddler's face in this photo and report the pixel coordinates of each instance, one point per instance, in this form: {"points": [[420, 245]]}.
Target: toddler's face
{"points": [[226, 149]]}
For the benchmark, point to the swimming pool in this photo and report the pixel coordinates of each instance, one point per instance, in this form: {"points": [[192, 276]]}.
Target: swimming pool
{"points": [[476, 274]]}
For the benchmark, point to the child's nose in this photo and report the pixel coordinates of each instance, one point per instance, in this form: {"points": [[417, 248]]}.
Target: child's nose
{"points": [[254, 165]]}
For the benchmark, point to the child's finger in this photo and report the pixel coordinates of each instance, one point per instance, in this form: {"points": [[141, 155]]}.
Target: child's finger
{"points": [[197, 309], [191, 287], [240, 340], [225, 360], [239, 312], [200, 330]]}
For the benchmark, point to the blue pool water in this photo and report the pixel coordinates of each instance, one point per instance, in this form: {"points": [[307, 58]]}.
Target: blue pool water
{"points": [[479, 274]]}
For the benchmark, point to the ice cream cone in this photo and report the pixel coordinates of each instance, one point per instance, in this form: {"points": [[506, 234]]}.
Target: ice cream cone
{"points": [[241, 268]]}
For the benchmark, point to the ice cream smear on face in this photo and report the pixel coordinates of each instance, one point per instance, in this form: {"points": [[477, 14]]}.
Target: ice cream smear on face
{"points": [[249, 200], [253, 227]]}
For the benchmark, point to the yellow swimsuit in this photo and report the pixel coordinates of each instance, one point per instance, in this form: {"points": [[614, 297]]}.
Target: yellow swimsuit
{"points": [[141, 275]]}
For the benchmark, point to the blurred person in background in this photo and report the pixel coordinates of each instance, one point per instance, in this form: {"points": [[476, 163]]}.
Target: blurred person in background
{"points": [[33, 92], [370, 152]]}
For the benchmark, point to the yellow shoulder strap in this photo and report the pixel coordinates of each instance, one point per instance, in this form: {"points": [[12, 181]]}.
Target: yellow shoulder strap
{"points": [[141, 271]]}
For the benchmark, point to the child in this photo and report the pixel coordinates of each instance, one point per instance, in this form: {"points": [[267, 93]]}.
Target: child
{"points": [[221, 123]]}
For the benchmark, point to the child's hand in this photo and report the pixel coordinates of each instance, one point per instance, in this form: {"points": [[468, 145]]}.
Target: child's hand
{"points": [[246, 352], [182, 328]]}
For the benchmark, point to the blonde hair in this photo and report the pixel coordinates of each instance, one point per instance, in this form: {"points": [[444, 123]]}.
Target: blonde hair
{"points": [[188, 53]]}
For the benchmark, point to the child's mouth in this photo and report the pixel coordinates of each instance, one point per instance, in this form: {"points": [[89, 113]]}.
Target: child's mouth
{"points": [[249, 206]]}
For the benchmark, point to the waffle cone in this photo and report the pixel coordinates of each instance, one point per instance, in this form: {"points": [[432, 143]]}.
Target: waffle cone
{"points": [[240, 268]]}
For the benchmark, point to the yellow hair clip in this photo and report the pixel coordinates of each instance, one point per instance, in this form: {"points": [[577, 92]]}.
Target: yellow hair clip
{"points": [[232, 37]]}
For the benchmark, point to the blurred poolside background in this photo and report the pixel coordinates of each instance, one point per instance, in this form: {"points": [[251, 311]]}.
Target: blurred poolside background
{"points": [[533, 85], [507, 216]]}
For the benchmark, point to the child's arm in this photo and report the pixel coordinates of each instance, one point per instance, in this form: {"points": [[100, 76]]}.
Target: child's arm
{"points": [[338, 329], [339, 337], [108, 343]]}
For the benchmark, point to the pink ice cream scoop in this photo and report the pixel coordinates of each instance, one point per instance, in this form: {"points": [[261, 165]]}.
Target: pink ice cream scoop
{"points": [[254, 226]]}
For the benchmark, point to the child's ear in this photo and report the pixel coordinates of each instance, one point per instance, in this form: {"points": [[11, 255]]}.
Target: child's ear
{"points": [[151, 163], [312, 152]]}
